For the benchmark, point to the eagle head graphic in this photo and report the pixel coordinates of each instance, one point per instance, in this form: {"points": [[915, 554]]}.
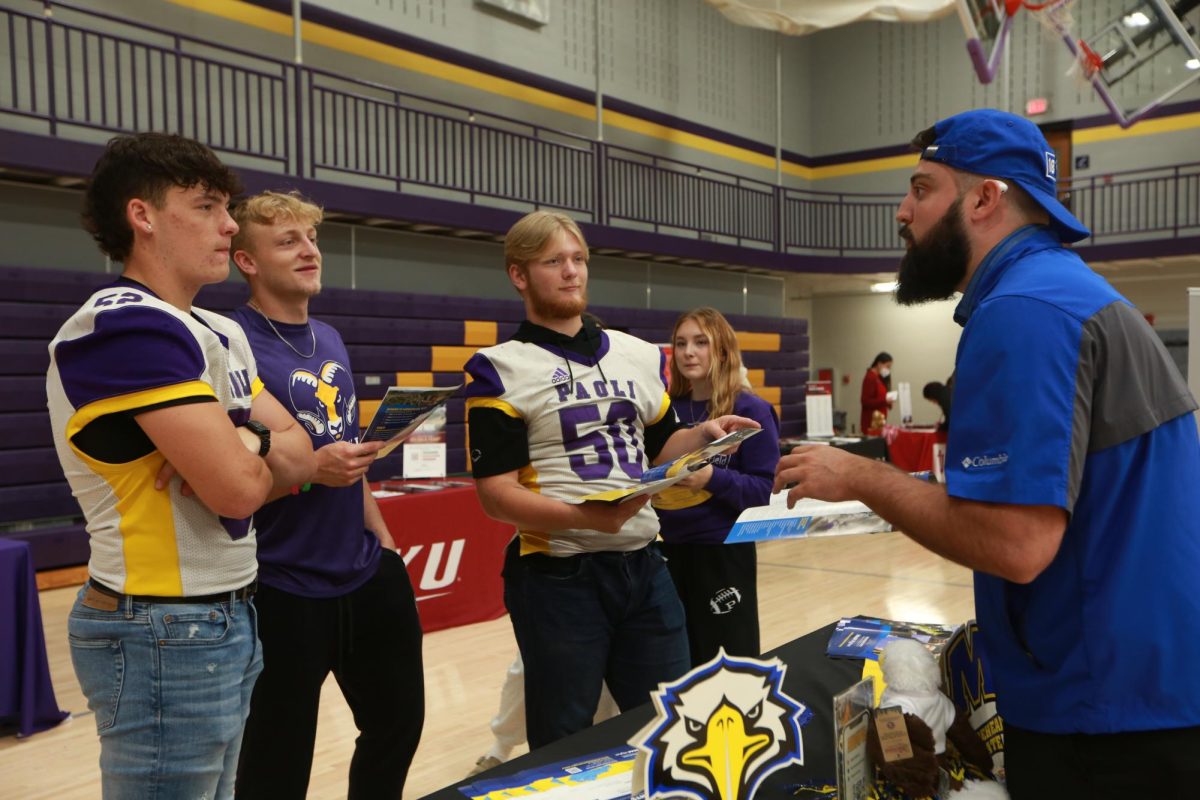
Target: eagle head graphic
{"points": [[721, 729]]}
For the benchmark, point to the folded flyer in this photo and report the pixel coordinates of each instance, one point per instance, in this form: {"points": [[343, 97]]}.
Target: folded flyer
{"points": [[402, 411], [658, 478], [807, 518]]}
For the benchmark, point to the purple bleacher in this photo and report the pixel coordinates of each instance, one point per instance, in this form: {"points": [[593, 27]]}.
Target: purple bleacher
{"points": [[792, 427], [785, 377], [50, 285], [37, 501], [23, 393], [23, 466], [757, 359], [397, 331], [792, 395], [385, 358], [33, 320], [52, 548], [28, 357], [25, 429]]}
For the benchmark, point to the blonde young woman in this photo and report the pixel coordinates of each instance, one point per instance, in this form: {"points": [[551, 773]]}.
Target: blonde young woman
{"points": [[716, 582]]}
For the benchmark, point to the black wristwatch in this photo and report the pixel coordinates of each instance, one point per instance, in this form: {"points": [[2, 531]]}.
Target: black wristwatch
{"points": [[264, 436]]}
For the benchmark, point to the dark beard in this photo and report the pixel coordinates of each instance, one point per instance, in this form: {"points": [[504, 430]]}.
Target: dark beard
{"points": [[934, 268]]}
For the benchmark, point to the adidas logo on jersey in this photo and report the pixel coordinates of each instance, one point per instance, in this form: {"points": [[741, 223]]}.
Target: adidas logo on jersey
{"points": [[560, 375]]}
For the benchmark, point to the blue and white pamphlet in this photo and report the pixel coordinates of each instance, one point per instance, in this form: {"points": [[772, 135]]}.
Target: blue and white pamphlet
{"points": [[402, 411], [656, 479], [805, 519], [607, 775]]}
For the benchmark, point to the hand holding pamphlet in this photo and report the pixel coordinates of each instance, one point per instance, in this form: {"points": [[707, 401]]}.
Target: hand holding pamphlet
{"points": [[656, 479], [402, 411]]}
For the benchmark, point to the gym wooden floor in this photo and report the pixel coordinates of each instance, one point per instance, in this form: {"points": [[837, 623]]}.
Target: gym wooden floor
{"points": [[802, 586]]}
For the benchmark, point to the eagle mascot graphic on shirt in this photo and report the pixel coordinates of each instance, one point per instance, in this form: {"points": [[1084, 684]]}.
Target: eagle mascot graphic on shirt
{"points": [[721, 729]]}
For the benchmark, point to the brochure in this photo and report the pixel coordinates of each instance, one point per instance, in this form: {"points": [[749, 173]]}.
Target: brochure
{"points": [[402, 411], [658, 478], [863, 637], [807, 518], [607, 775]]}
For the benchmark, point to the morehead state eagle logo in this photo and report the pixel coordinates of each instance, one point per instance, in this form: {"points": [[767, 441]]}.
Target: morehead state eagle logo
{"points": [[721, 729]]}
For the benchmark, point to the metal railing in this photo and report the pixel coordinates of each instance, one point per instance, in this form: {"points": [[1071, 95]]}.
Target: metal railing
{"points": [[92, 72]]}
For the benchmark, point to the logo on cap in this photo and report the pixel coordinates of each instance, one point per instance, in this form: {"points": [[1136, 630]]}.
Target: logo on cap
{"points": [[1051, 166]]}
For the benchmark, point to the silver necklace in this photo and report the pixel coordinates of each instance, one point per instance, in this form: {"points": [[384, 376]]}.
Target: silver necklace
{"points": [[291, 346]]}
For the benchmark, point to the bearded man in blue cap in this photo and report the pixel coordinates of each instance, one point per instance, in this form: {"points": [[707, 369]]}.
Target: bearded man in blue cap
{"points": [[1072, 474]]}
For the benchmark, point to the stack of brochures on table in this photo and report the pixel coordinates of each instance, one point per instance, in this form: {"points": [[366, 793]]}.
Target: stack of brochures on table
{"points": [[864, 637], [607, 775], [402, 411], [656, 479]]}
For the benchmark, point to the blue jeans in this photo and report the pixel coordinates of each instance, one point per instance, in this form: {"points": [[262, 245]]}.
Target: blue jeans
{"points": [[588, 619], [170, 686]]}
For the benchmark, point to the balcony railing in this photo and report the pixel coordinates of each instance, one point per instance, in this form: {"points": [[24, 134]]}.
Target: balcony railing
{"points": [[78, 72]]}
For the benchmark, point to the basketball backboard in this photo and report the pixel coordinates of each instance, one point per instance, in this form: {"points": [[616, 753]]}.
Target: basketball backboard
{"points": [[1136, 56]]}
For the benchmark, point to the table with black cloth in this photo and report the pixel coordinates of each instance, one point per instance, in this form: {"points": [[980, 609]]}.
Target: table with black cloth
{"points": [[812, 678], [27, 703]]}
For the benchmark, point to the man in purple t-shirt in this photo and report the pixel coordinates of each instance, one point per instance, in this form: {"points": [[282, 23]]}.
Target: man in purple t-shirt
{"points": [[335, 595]]}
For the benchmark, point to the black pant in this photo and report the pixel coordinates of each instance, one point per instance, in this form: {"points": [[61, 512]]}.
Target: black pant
{"points": [[1164, 765], [371, 640], [718, 585]]}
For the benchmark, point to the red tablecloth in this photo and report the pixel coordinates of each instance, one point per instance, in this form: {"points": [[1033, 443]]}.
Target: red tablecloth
{"points": [[453, 552], [912, 450]]}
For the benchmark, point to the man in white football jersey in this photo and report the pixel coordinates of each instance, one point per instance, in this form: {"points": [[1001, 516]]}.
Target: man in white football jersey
{"points": [[170, 443], [560, 411]]}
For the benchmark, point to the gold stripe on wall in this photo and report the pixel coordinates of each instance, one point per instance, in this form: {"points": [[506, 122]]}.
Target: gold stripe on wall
{"points": [[761, 342], [414, 379], [757, 377], [1149, 127], [778, 410], [772, 394], [366, 412], [479, 333], [447, 358]]}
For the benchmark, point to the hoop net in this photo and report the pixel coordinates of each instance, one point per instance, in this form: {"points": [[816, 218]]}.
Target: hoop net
{"points": [[1058, 24]]}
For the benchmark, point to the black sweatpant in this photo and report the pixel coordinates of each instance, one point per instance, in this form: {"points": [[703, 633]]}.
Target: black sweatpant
{"points": [[718, 585], [1164, 764], [371, 640]]}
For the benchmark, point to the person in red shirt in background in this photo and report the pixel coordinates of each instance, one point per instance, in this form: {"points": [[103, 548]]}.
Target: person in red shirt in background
{"points": [[876, 389]]}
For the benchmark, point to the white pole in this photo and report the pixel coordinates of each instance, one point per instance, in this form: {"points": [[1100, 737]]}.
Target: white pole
{"points": [[1193, 362], [297, 38]]}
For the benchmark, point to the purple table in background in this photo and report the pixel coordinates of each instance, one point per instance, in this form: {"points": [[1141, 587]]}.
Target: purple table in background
{"points": [[27, 701]]}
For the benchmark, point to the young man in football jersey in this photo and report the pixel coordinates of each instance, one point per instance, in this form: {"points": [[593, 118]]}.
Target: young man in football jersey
{"points": [[563, 410], [170, 443], [334, 595]]}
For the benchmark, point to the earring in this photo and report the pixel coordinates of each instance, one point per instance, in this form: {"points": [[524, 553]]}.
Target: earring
{"points": [[148, 228]]}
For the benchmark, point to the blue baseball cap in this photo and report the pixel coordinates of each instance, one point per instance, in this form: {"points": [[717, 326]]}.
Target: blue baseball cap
{"points": [[997, 144]]}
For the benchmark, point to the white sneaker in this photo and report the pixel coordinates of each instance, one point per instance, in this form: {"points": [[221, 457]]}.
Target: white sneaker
{"points": [[484, 764]]}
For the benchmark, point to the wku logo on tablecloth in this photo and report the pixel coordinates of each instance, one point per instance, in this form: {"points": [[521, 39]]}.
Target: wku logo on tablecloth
{"points": [[438, 564]]}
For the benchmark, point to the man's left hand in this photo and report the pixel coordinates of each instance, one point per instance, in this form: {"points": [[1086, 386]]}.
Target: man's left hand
{"points": [[345, 463]]}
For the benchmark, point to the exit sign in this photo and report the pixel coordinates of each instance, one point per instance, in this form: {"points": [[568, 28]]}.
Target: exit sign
{"points": [[1038, 105]]}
